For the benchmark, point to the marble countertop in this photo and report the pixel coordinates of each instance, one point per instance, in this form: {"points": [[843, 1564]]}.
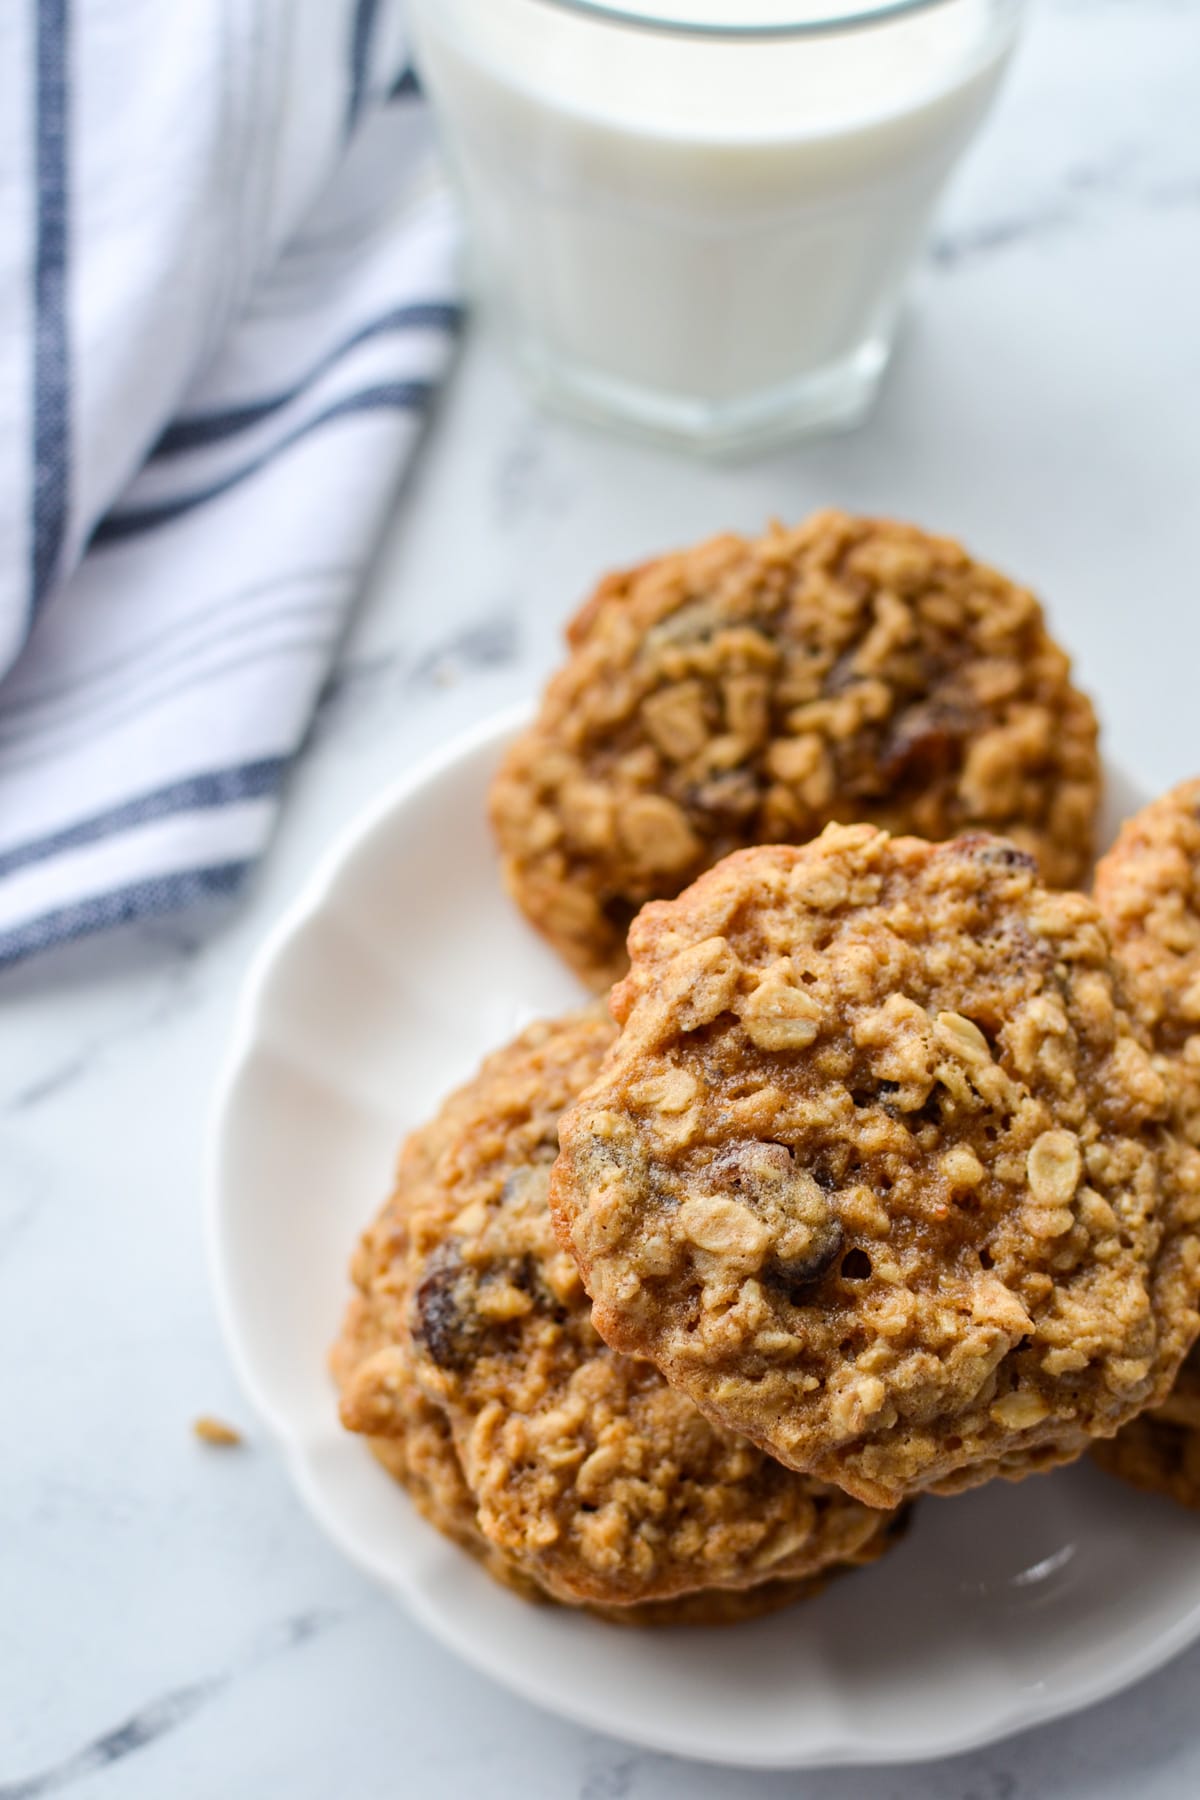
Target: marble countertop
{"points": [[171, 1622]]}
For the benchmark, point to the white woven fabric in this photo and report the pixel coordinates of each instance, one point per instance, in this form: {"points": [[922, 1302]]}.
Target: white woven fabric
{"points": [[226, 272]]}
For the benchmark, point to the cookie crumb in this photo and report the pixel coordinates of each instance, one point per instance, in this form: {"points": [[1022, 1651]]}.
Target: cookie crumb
{"points": [[215, 1431]]}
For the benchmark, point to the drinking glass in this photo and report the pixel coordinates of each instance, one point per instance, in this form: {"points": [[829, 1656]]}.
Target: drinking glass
{"points": [[699, 216]]}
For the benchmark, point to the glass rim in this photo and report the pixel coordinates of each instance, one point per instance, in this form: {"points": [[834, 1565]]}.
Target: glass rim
{"points": [[855, 18]]}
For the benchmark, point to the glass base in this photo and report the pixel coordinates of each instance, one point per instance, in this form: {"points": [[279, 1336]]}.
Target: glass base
{"points": [[833, 398]]}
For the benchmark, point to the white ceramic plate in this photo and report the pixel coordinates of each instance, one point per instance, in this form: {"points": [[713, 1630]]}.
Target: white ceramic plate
{"points": [[399, 967]]}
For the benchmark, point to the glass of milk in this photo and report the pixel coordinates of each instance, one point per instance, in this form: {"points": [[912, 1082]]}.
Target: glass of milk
{"points": [[698, 216]]}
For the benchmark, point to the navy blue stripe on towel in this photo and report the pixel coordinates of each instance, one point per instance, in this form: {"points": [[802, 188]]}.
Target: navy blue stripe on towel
{"points": [[193, 793], [404, 396], [139, 900], [51, 391], [360, 60], [211, 428], [407, 85]]}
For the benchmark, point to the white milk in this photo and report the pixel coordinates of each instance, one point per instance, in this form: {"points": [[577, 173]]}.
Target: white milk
{"points": [[708, 235]]}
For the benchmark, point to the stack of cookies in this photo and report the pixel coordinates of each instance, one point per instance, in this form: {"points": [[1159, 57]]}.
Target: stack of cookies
{"points": [[878, 1175]]}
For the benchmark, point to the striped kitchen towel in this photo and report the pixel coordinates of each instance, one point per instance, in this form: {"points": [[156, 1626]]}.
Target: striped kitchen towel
{"points": [[227, 292]]}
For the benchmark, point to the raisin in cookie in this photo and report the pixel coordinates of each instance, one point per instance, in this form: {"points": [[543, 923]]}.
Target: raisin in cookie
{"points": [[875, 1170], [584, 1468], [747, 692]]}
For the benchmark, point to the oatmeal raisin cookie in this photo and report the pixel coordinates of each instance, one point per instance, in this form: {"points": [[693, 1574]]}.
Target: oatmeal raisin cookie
{"points": [[750, 691], [1148, 888], [584, 1469], [875, 1171], [1160, 1450], [419, 1453]]}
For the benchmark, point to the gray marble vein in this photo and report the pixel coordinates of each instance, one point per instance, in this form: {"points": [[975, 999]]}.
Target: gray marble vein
{"points": [[157, 1717], [365, 688], [164, 951], [950, 248]]}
